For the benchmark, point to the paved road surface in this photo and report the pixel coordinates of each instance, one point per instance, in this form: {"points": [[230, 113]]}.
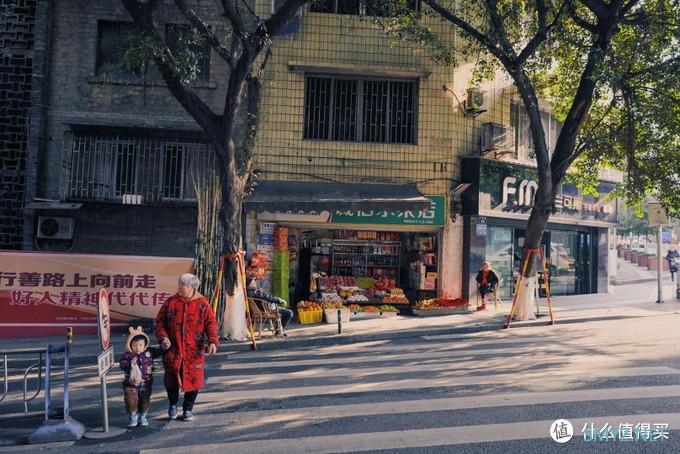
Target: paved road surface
{"points": [[484, 393]]}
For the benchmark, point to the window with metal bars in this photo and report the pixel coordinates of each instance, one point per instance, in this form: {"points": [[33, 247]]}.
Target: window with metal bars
{"points": [[361, 110], [110, 167], [363, 7]]}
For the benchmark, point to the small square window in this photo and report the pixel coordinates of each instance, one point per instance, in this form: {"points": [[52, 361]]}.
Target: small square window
{"points": [[114, 43]]}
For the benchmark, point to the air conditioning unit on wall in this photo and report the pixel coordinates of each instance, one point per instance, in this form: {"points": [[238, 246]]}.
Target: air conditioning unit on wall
{"points": [[55, 228], [476, 103]]}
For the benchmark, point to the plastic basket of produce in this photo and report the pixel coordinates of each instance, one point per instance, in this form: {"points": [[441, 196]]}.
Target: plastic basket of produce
{"points": [[309, 317], [364, 315], [332, 315], [387, 311]]}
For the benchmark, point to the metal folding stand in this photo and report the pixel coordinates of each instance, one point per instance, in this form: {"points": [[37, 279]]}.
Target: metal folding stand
{"points": [[66, 428], [528, 254]]}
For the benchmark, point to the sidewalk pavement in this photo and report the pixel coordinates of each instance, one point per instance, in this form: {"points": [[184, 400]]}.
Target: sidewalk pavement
{"points": [[627, 301], [629, 273]]}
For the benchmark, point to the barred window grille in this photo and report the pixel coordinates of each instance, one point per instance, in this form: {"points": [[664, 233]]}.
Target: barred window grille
{"points": [[363, 110], [363, 7], [111, 167]]}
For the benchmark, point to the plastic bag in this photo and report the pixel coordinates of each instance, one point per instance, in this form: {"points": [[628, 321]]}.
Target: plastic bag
{"points": [[135, 374]]}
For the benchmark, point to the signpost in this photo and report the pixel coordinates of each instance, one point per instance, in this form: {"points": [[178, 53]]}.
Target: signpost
{"points": [[657, 217], [105, 362]]}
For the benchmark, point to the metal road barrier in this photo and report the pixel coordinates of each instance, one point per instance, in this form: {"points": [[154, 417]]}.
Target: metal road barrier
{"points": [[39, 365]]}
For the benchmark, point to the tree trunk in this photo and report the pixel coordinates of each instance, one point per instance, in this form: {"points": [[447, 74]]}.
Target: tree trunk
{"points": [[535, 228]]}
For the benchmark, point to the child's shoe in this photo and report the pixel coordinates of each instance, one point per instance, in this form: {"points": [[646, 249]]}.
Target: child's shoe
{"points": [[188, 416], [172, 412], [143, 421], [132, 420]]}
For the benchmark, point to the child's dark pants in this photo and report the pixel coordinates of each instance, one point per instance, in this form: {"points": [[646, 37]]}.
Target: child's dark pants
{"points": [[137, 398]]}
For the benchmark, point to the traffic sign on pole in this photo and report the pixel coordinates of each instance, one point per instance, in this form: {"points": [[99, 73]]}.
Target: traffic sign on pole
{"points": [[104, 317]]}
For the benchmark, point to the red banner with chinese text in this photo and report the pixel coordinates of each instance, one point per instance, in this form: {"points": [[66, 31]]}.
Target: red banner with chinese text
{"points": [[41, 293]]}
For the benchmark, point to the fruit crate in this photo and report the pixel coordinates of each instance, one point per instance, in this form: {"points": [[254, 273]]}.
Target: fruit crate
{"points": [[332, 315], [364, 315], [309, 317], [385, 314]]}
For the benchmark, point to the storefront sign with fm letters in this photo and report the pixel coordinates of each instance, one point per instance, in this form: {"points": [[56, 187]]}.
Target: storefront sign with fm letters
{"points": [[508, 191], [435, 216]]}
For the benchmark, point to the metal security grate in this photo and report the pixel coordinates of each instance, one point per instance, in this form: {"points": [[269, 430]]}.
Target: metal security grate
{"points": [[362, 110], [119, 168]]}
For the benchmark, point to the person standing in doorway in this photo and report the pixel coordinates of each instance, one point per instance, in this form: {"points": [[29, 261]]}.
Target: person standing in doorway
{"points": [[187, 329]]}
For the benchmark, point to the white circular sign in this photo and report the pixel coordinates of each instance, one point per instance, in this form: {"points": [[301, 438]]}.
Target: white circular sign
{"points": [[561, 431], [104, 319]]}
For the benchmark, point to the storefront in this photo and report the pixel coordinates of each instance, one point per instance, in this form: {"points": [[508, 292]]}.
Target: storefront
{"points": [[576, 242], [376, 242]]}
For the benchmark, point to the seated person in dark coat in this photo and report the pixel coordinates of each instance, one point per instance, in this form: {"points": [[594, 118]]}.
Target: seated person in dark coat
{"points": [[281, 304], [487, 281]]}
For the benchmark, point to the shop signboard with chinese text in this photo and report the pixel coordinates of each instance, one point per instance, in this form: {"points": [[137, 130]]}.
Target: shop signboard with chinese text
{"points": [[40, 293], [434, 217]]}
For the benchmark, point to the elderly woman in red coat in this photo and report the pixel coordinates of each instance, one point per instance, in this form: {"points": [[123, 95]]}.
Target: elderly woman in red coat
{"points": [[186, 327]]}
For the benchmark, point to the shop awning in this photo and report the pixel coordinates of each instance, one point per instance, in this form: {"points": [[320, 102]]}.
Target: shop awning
{"points": [[319, 196]]}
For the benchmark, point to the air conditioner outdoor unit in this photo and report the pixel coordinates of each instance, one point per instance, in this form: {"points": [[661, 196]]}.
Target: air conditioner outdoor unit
{"points": [[476, 102], [497, 137], [55, 228]]}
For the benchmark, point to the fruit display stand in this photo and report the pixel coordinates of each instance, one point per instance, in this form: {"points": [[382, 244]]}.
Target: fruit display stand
{"points": [[309, 312], [364, 312], [330, 311], [440, 306]]}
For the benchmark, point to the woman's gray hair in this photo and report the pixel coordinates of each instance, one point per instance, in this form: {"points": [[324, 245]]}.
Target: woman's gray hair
{"points": [[189, 280]]}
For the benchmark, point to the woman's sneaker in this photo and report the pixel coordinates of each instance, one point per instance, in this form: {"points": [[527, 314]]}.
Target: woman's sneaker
{"points": [[188, 416], [172, 412], [132, 420], [143, 421]]}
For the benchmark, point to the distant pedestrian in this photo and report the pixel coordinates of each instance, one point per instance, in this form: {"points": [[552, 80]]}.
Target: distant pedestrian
{"points": [[137, 364], [186, 327], [487, 281], [673, 258]]}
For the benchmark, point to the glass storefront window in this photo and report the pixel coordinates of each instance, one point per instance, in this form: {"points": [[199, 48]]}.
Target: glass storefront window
{"points": [[499, 255], [562, 264]]}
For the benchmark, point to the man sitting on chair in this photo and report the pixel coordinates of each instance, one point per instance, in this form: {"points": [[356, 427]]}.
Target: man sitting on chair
{"points": [[281, 304], [487, 281]]}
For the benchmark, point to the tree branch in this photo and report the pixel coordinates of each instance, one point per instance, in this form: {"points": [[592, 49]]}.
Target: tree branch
{"points": [[583, 99], [472, 32], [598, 7], [238, 26], [285, 13], [141, 15], [205, 31], [543, 29], [497, 25]]}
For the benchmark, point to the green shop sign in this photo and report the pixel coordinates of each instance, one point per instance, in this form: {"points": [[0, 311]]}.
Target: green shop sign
{"points": [[435, 216]]}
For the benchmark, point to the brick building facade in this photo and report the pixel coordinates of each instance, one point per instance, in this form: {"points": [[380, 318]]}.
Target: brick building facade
{"points": [[22, 44]]}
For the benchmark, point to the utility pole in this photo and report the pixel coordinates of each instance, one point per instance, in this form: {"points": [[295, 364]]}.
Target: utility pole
{"points": [[657, 217], [659, 268]]}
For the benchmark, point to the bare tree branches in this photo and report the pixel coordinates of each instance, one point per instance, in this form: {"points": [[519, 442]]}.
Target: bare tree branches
{"points": [[543, 29], [141, 14], [238, 25], [472, 32], [205, 31]]}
